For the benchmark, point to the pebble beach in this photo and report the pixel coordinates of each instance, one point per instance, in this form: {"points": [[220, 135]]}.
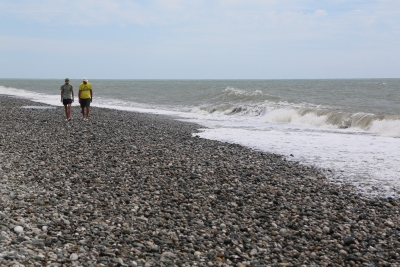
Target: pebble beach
{"points": [[134, 189]]}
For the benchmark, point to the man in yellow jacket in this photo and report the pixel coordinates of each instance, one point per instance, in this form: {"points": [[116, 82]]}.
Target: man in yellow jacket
{"points": [[85, 97]]}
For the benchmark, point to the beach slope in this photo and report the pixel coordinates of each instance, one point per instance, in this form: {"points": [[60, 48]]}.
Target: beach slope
{"points": [[131, 189]]}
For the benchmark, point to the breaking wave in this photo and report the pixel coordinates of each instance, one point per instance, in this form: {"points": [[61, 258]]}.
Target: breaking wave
{"points": [[308, 114]]}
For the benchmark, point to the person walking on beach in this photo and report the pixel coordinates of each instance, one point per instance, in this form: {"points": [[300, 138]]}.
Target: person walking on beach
{"points": [[85, 97], [67, 97]]}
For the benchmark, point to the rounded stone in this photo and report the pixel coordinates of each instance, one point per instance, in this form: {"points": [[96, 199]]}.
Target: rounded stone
{"points": [[227, 241], [326, 229], [18, 229], [197, 254], [349, 240], [283, 232], [73, 257], [154, 248]]}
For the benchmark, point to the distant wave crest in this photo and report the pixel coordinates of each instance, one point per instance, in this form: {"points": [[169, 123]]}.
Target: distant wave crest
{"points": [[234, 96], [239, 92]]}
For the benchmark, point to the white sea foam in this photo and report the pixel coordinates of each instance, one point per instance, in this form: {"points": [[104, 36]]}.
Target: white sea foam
{"points": [[54, 100], [33, 96], [365, 160], [292, 116], [366, 157], [386, 127]]}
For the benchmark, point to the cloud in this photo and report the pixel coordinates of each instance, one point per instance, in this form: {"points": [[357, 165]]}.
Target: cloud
{"points": [[214, 34], [80, 48], [189, 12], [216, 23], [103, 12], [320, 13], [89, 12], [358, 11], [172, 4]]}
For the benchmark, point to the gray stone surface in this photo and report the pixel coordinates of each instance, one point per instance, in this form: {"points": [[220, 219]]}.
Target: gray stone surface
{"points": [[129, 189]]}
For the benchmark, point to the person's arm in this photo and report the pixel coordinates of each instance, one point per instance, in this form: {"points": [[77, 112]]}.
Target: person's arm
{"points": [[91, 95], [72, 95], [62, 94], [79, 96]]}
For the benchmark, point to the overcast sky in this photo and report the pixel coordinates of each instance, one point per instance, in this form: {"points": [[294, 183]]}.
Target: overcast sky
{"points": [[194, 39]]}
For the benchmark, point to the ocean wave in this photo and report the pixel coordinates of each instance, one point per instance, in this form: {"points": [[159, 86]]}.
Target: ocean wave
{"points": [[385, 125], [239, 92], [234, 96]]}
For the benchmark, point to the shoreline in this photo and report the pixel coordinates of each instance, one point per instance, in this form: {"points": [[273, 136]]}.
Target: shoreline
{"points": [[134, 189]]}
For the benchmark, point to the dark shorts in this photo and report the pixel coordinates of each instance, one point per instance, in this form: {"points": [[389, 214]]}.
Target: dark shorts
{"points": [[67, 101], [85, 102]]}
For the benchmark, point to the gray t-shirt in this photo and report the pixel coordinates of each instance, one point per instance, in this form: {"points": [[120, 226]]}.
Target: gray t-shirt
{"points": [[67, 91]]}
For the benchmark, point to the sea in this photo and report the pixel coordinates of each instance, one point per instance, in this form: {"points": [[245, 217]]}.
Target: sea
{"points": [[348, 128]]}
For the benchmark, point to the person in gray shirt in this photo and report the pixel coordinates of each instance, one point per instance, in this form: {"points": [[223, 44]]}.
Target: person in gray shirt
{"points": [[67, 97]]}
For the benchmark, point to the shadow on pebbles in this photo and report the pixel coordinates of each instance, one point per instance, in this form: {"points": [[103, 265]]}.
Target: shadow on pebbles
{"points": [[129, 189]]}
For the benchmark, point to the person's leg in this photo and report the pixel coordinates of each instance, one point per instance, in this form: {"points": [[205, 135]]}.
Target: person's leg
{"points": [[69, 111], [66, 111], [83, 108], [87, 111]]}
